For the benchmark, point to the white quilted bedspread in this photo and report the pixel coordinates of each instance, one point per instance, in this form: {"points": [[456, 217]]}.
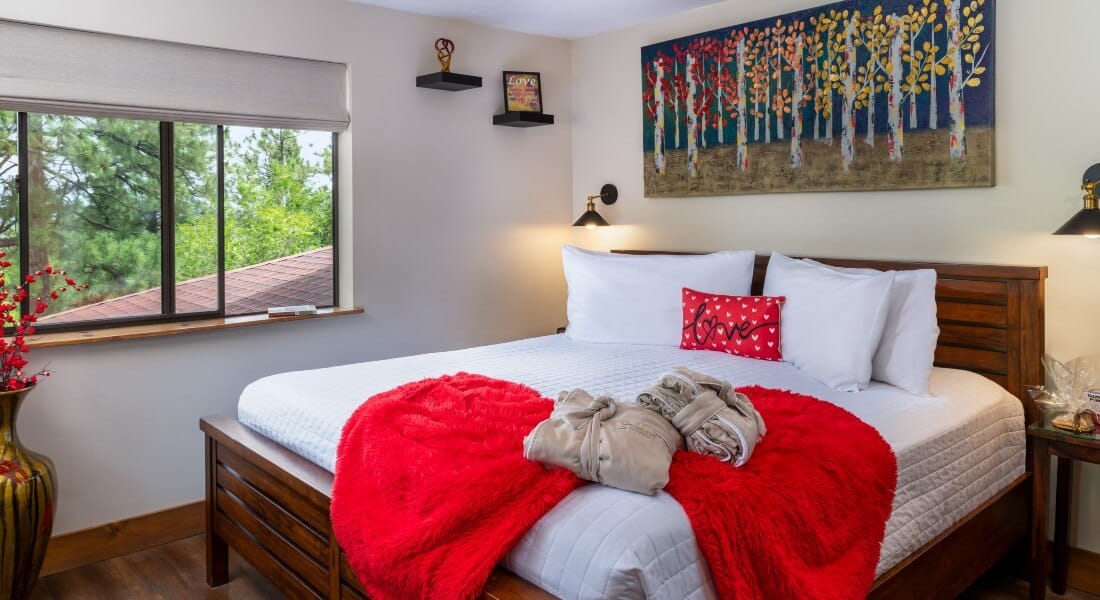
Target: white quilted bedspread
{"points": [[955, 450]]}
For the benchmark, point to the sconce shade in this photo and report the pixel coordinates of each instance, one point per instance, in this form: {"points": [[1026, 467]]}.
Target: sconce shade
{"points": [[1086, 222], [590, 219]]}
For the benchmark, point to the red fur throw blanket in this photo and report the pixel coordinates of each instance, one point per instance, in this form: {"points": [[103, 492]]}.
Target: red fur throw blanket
{"points": [[432, 490], [805, 517], [431, 486]]}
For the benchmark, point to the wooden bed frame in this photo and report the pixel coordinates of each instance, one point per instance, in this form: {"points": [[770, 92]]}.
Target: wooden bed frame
{"points": [[272, 506]]}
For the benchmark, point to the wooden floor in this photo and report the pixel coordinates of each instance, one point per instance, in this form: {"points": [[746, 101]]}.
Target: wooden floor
{"points": [[175, 571], [998, 586]]}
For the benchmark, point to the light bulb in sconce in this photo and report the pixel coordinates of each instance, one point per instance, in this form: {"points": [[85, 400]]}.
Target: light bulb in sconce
{"points": [[1087, 220], [592, 219]]}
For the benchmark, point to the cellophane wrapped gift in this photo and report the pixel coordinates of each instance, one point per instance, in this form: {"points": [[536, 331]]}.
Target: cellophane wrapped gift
{"points": [[1065, 397]]}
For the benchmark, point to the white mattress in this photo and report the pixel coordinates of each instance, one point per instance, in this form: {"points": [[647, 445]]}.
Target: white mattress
{"points": [[955, 450]]}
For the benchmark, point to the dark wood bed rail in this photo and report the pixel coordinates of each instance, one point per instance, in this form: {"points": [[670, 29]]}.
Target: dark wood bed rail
{"points": [[991, 317]]}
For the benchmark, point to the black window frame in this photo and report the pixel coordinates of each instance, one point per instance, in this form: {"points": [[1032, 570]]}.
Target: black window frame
{"points": [[168, 281]]}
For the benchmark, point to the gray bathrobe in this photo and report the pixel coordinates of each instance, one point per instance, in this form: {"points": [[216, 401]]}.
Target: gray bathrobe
{"points": [[714, 419], [601, 440]]}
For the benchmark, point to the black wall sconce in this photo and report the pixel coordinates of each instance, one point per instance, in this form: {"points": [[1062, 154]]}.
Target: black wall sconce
{"points": [[1087, 220], [592, 219]]}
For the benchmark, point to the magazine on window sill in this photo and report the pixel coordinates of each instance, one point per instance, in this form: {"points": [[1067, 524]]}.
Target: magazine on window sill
{"points": [[292, 311]]}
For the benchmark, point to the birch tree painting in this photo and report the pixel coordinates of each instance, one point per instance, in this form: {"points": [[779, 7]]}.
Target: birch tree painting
{"points": [[856, 95]]}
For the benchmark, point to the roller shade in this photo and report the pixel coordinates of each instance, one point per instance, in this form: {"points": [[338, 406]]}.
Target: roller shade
{"points": [[65, 71]]}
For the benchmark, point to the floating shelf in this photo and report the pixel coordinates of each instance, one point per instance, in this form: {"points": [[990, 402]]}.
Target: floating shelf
{"points": [[451, 82], [523, 119]]}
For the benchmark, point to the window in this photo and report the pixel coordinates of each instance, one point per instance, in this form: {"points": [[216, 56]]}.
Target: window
{"points": [[94, 208], [168, 221], [196, 215], [278, 218], [9, 185]]}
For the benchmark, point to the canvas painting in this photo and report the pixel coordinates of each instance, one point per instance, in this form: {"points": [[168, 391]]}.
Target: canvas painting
{"points": [[857, 95]]}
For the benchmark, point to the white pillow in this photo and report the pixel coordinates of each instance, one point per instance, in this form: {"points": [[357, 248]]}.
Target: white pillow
{"points": [[628, 299], [908, 346], [832, 321]]}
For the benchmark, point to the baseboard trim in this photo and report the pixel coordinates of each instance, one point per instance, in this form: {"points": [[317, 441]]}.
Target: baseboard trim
{"points": [[123, 537]]}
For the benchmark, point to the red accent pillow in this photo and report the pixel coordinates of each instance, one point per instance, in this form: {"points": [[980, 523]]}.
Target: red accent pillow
{"points": [[742, 325]]}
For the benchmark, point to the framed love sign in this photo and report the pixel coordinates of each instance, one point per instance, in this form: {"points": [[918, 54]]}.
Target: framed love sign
{"points": [[522, 91]]}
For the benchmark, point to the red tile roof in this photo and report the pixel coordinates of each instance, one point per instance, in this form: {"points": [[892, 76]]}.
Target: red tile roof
{"points": [[304, 278]]}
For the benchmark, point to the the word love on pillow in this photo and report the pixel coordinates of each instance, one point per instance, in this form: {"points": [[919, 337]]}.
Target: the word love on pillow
{"points": [[743, 325]]}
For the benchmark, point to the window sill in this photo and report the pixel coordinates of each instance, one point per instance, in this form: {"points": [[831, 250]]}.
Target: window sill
{"points": [[133, 332]]}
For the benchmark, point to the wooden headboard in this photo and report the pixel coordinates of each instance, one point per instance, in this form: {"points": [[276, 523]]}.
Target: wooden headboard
{"points": [[991, 317]]}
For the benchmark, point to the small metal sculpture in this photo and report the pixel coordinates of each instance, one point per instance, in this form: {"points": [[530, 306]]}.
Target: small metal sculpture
{"points": [[443, 50]]}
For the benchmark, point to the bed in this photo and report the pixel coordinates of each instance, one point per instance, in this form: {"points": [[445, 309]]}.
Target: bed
{"points": [[961, 455]]}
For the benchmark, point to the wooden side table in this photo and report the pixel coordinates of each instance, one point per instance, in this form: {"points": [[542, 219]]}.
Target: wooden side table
{"points": [[1047, 441]]}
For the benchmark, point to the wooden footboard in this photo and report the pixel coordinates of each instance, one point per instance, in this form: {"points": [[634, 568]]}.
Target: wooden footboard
{"points": [[272, 507]]}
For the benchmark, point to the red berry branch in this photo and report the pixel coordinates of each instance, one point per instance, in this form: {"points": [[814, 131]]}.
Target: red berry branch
{"points": [[14, 348]]}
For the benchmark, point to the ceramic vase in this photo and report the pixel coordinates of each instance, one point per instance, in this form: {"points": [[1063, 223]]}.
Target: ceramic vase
{"points": [[27, 491]]}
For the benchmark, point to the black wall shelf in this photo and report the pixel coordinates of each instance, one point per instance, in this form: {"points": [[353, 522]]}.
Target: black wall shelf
{"points": [[523, 119], [451, 82]]}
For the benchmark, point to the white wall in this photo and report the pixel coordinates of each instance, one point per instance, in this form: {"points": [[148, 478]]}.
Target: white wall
{"points": [[1047, 132], [456, 228]]}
